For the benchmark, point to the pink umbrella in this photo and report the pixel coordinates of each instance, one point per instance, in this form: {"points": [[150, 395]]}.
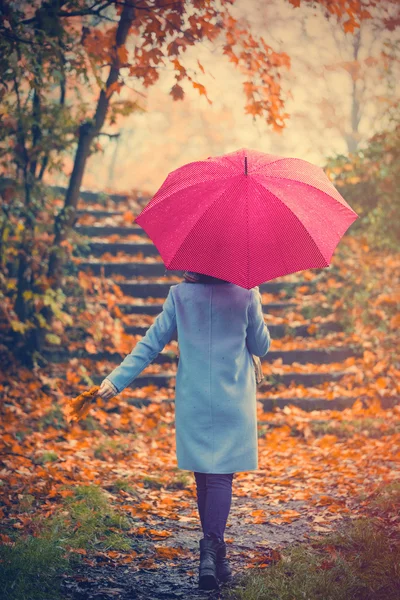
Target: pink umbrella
{"points": [[246, 217]]}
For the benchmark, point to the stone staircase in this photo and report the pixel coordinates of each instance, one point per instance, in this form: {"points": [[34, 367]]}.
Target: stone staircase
{"points": [[146, 282]]}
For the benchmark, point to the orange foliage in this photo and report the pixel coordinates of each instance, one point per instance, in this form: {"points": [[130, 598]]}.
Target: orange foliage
{"points": [[79, 407]]}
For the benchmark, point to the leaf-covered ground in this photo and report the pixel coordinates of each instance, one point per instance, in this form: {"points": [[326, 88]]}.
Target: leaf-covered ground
{"points": [[316, 469]]}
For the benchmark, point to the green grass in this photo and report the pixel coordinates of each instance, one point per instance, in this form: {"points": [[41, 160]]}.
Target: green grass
{"points": [[308, 311], [387, 499], [109, 448], [370, 427], [31, 569], [26, 503], [363, 569], [48, 456], [359, 561], [89, 423], [92, 520], [179, 482], [52, 418], [152, 482], [123, 484]]}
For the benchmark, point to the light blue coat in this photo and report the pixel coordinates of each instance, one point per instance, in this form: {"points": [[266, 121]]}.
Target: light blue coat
{"points": [[219, 326]]}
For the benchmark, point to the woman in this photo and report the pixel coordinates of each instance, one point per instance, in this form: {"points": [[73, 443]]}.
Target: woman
{"points": [[219, 327]]}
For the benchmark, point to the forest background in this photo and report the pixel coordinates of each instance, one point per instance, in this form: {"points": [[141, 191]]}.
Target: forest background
{"points": [[110, 96]]}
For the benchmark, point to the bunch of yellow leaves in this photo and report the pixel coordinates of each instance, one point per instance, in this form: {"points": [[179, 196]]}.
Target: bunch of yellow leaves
{"points": [[80, 406]]}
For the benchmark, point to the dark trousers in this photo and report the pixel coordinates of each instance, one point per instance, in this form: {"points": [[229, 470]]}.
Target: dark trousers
{"points": [[214, 496]]}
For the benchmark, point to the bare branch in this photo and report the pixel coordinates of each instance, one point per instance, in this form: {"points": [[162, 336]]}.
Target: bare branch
{"points": [[16, 38], [109, 135], [92, 10]]}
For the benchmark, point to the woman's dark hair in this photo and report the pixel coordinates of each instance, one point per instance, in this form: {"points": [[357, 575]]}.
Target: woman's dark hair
{"points": [[193, 277]]}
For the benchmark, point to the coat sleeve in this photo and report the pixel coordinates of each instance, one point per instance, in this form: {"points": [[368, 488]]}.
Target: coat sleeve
{"points": [[258, 338], [157, 336]]}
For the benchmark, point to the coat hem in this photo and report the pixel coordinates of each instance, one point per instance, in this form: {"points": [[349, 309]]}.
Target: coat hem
{"points": [[253, 468]]}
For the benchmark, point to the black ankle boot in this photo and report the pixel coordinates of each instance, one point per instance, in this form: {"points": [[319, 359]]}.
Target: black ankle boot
{"points": [[224, 572], [208, 563]]}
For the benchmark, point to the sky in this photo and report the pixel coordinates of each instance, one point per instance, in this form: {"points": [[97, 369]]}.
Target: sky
{"points": [[166, 134]]}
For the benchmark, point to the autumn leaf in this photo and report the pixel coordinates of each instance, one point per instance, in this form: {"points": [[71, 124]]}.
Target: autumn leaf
{"points": [[168, 552], [52, 338], [349, 25], [395, 321], [79, 407], [177, 92], [201, 89], [90, 347], [173, 48], [128, 216]]}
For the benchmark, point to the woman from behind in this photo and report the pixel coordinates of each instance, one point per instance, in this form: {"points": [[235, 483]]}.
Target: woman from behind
{"points": [[219, 326]]}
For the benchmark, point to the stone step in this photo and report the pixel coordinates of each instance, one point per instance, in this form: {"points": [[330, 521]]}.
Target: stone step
{"points": [[129, 269], [310, 404], [149, 249], [269, 404], [304, 379], [276, 331], [99, 248], [156, 308], [167, 379], [136, 268], [98, 213], [90, 196], [105, 230], [142, 289], [323, 356]]}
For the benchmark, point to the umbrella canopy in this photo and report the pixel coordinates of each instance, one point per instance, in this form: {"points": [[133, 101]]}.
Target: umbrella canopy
{"points": [[246, 217]]}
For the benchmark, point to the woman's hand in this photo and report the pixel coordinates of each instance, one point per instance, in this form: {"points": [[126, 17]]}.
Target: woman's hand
{"points": [[107, 390]]}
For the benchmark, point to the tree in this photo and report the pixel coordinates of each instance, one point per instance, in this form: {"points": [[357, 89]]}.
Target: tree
{"points": [[370, 180], [349, 79], [369, 59]]}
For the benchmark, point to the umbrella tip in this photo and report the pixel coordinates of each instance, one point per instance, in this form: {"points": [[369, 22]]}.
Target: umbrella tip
{"points": [[245, 165]]}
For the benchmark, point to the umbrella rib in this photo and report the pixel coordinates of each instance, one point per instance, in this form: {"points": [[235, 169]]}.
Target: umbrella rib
{"points": [[309, 185], [199, 219], [276, 237], [149, 208], [314, 188], [248, 231], [303, 226], [266, 165], [234, 167], [234, 164]]}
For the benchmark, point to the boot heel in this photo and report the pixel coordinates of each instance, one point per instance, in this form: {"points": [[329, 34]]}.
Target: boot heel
{"points": [[208, 568], [224, 572], [208, 582]]}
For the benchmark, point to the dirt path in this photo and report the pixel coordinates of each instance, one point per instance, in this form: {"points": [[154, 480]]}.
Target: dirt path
{"points": [[178, 578]]}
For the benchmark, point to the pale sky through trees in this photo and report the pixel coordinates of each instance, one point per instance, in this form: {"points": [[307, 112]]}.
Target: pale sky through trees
{"points": [[171, 133]]}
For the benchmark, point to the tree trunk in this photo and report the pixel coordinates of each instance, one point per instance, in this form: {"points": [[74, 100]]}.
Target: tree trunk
{"points": [[87, 132], [352, 138]]}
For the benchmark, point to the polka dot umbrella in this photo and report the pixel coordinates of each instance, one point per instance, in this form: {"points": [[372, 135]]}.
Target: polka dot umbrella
{"points": [[246, 217]]}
